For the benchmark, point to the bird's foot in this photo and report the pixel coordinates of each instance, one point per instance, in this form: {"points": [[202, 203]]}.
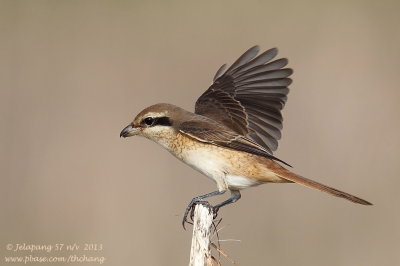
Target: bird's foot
{"points": [[190, 209]]}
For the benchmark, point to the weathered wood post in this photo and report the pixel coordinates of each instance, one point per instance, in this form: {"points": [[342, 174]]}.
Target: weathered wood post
{"points": [[200, 252]]}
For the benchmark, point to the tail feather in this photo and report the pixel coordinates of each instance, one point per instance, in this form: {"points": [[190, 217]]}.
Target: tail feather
{"points": [[312, 184]]}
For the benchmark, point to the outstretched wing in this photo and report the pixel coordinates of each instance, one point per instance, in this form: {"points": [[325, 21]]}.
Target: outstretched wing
{"points": [[249, 96], [211, 132]]}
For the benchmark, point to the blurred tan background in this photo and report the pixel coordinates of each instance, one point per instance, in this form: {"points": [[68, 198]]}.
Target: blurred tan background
{"points": [[74, 73]]}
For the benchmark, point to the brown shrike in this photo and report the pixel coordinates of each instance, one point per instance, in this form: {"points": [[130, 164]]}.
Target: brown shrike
{"points": [[235, 127]]}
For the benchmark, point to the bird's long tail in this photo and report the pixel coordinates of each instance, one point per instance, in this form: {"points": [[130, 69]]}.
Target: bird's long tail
{"points": [[286, 174]]}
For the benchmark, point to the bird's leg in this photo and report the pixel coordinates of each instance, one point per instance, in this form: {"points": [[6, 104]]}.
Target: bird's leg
{"points": [[235, 196], [197, 200]]}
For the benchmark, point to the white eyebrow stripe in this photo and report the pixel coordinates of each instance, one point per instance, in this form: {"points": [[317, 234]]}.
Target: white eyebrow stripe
{"points": [[156, 114]]}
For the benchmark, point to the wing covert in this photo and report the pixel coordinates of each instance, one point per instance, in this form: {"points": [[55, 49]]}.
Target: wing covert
{"points": [[211, 132]]}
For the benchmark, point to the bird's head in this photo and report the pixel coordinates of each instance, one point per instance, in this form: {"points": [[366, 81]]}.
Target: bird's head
{"points": [[154, 122]]}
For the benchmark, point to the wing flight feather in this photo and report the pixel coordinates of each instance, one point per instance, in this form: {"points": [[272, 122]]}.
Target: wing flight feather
{"points": [[249, 96]]}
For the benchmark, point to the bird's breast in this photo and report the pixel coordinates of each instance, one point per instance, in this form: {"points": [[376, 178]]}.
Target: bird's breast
{"points": [[207, 159], [228, 168]]}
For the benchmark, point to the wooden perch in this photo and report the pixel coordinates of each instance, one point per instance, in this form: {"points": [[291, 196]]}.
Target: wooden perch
{"points": [[200, 252]]}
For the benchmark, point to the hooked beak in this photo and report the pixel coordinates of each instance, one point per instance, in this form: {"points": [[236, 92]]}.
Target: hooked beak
{"points": [[128, 131]]}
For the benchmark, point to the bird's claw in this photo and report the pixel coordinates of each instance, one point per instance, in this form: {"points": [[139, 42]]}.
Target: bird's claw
{"points": [[215, 212], [190, 209]]}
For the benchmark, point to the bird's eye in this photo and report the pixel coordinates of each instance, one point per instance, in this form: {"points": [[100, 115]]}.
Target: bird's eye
{"points": [[149, 121]]}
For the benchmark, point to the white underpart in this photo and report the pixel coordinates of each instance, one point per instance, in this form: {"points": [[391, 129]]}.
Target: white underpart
{"points": [[240, 182], [211, 166], [207, 161], [217, 169]]}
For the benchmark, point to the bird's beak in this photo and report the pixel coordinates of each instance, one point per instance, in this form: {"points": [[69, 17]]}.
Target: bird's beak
{"points": [[128, 131]]}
